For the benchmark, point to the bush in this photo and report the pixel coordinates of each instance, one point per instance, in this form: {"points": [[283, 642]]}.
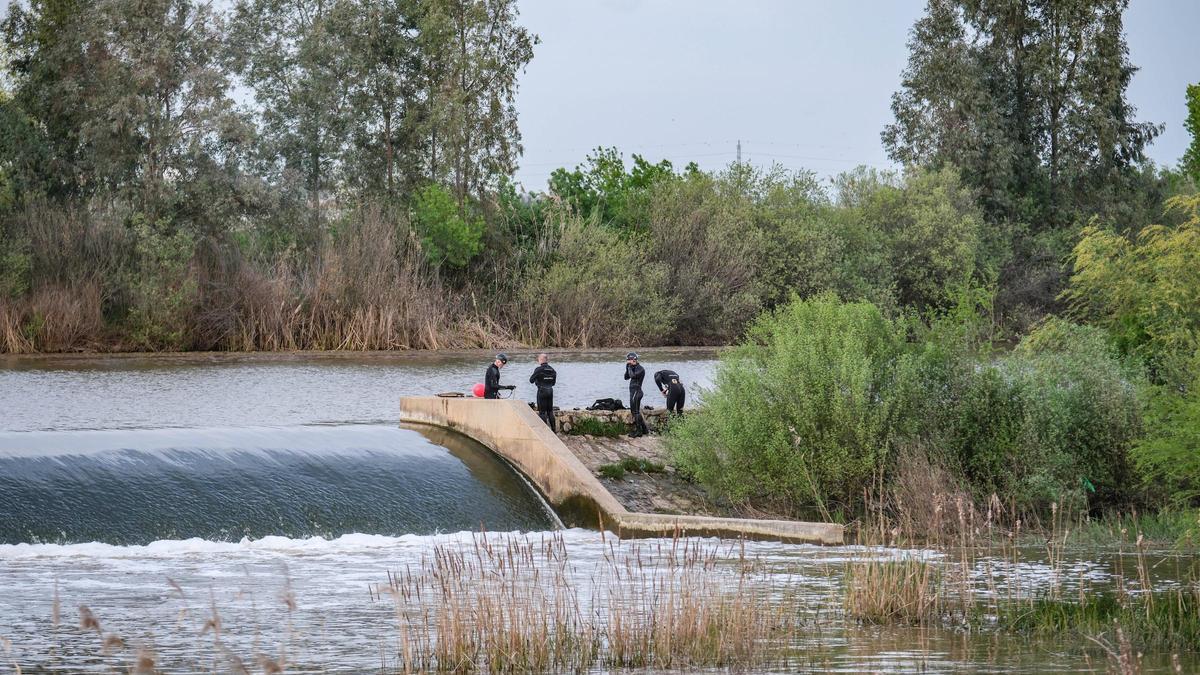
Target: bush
{"points": [[810, 412], [1169, 454], [712, 253], [1144, 292], [1052, 422], [600, 289], [931, 230], [804, 414]]}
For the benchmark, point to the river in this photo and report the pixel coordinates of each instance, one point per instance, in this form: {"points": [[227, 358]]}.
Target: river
{"points": [[228, 511]]}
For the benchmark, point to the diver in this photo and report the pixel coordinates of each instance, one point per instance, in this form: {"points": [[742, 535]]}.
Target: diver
{"points": [[491, 380], [545, 377], [668, 383], [635, 373]]}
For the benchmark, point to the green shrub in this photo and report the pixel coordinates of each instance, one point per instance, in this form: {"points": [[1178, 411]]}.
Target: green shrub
{"points": [[1144, 291], [448, 237], [805, 413], [708, 243], [600, 289], [1169, 454], [590, 426], [1052, 422]]}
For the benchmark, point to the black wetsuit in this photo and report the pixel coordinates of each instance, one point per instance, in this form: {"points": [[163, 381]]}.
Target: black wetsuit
{"points": [[491, 382], [669, 381], [545, 377], [635, 373]]}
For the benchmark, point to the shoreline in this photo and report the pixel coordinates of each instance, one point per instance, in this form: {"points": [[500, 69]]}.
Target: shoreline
{"points": [[351, 354]]}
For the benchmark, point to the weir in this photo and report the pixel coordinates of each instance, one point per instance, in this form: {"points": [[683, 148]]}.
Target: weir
{"points": [[513, 431]]}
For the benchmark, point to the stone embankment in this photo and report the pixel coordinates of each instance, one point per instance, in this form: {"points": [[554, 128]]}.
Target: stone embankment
{"points": [[567, 419]]}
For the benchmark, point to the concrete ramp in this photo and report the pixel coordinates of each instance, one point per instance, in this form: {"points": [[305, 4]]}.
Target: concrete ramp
{"points": [[513, 431]]}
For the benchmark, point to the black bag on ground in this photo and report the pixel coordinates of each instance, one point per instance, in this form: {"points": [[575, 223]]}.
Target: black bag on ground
{"points": [[607, 404]]}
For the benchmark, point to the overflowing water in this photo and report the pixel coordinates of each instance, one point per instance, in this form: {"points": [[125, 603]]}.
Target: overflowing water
{"points": [[214, 510]]}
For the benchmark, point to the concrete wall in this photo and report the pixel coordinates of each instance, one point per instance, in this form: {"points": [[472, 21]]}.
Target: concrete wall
{"points": [[513, 431]]}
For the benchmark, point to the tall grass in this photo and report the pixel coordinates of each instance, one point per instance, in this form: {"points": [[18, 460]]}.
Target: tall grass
{"points": [[90, 281], [511, 606], [980, 588]]}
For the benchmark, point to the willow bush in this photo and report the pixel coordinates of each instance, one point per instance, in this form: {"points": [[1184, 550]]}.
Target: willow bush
{"points": [[805, 413], [811, 411], [1051, 422]]}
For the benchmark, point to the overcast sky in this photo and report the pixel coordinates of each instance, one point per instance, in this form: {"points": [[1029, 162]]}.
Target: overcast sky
{"points": [[803, 83]]}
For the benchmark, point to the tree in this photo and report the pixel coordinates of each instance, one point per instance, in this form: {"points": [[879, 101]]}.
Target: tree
{"points": [[1191, 157], [472, 52], [52, 59], [386, 106], [296, 58], [602, 188], [448, 238], [125, 98], [1028, 99]]}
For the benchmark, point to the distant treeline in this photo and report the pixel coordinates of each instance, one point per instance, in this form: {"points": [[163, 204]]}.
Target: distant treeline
{"points": [[336, 174]]}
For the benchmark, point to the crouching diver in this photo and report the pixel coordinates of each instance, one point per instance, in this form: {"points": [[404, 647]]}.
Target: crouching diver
{"points": [[545, 377], [635, 373], [668, 383], [491, 380]]}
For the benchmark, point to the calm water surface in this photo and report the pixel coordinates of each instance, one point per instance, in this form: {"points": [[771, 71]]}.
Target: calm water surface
{"points": [[220, 390], [155, 489]]}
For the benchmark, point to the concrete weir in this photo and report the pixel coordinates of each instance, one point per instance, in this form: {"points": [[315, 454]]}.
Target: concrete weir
{"points": [[514, 432]]}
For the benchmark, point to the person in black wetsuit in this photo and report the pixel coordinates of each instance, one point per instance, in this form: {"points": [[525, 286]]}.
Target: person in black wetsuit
{"points": [[635, 373], [669, 384], [545, 377], [491, 379]]}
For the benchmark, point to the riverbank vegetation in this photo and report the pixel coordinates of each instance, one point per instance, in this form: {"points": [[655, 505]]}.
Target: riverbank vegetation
{"points": [[1011, 315], [1035, 344], [337, 175], [478, 602]]}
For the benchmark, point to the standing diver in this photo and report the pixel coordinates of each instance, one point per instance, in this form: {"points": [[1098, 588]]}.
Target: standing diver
{"points": [[668, 383], [545, 377], [491, 380], [635, 373]]}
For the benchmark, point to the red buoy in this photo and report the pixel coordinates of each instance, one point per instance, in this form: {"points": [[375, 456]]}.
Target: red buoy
{"points": [[478, 390]]}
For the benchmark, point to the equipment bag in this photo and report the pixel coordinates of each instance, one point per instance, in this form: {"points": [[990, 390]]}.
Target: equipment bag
{"points": [[608, 404]]}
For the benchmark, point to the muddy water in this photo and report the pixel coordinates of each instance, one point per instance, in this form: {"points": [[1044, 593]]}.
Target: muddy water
{"points": [[277, 492]]}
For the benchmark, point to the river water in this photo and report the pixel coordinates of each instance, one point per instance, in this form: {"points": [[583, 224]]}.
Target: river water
{"points": [[213, 510]]}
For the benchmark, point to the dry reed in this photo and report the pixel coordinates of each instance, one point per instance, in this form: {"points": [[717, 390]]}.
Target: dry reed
{"points": [[511, 606]]}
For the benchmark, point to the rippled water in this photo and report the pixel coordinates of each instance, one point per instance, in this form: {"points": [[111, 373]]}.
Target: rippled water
{"points": [[277, 491], [219, 390]]}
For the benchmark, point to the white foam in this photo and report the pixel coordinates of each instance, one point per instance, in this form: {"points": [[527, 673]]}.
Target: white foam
{"points": [[169, 548]]}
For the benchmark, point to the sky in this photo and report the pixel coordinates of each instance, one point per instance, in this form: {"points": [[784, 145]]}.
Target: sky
{"points": [[802, 83]]}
